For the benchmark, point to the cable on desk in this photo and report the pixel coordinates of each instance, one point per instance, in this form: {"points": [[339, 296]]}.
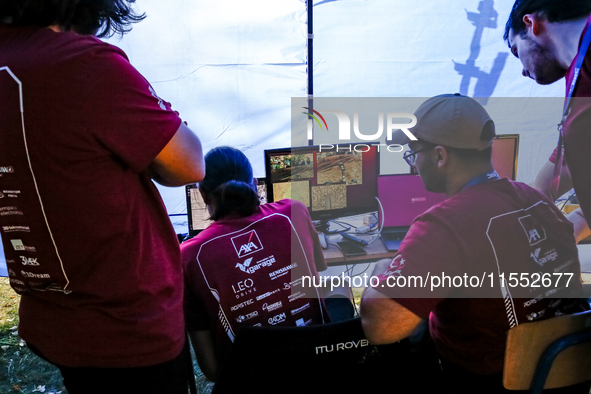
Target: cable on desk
{"points": [[381, 224]]}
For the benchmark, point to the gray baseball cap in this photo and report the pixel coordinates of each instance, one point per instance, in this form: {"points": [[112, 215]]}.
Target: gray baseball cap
{"points": [[451, 120]]}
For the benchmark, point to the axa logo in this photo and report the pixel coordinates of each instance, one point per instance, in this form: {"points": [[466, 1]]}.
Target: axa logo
{"points": [[388, 123], [534, 232], [247, 243]]}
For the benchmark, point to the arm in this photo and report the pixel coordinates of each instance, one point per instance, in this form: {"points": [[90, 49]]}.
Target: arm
{"points": [[203, 345], [543, 181], [582, 230], [383, 319], [180, 161]]}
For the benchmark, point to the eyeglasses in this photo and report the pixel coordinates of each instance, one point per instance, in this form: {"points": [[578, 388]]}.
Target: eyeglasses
{"points": [[410, 156]]}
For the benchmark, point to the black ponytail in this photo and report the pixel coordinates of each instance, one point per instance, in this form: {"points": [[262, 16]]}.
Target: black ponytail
{"points": [[228, 183]]}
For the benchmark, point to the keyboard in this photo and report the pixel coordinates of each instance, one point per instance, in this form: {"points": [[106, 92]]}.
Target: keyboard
{"points": [[393, 234]]}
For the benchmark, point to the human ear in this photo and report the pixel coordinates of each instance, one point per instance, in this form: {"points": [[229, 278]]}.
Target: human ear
{"points": [[441, 156], [533, 23]]}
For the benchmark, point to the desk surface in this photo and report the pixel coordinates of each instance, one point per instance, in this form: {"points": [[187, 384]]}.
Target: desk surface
{"points": [[375, 251]]}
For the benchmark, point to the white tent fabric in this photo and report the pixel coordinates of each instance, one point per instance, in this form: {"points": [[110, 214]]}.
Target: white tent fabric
{"points": [[231, 67]]}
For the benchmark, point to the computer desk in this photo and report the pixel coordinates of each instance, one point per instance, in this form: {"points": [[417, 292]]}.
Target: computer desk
{"points": [[375, 251]]}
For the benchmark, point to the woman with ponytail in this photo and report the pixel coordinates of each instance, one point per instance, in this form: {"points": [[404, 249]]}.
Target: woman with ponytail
{"points": [[247, 267]]}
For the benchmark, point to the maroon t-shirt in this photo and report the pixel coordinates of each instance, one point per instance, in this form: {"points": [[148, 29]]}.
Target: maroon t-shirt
{"points": [[485, 231], [248, 272], [81, 225], [577, 133]]}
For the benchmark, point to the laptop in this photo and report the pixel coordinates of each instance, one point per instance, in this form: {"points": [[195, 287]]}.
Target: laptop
{"points": [[403, 198]]}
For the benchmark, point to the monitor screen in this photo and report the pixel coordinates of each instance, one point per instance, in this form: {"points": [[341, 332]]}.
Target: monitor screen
{"points": [[331, 180], [197, 209], [504, 155]]}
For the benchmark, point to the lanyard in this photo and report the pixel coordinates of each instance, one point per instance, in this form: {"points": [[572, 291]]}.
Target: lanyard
{"points": [[566, 111], [482, 178]]}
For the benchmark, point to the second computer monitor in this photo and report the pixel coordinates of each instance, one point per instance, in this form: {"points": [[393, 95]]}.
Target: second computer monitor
{"points": [[331, 180]]}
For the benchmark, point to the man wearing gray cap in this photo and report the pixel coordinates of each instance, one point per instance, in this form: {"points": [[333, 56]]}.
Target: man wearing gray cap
{"points": [[460, 261]]}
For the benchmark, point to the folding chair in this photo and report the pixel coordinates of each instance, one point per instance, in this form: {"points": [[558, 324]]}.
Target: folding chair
{"points": [[323, 358], [549, 354]]}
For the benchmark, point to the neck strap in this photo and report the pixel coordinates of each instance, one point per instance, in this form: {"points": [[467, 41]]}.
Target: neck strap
{"points": [[482, 178]]}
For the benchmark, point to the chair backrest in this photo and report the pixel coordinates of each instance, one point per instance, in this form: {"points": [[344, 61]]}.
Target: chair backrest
{"points": [[526, 343], [335, 357]]}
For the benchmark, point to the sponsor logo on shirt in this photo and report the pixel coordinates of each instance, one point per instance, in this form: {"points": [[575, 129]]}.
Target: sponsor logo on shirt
{"points": [[280, 318], [535, 232], [17, 282], [282, 271], [29, 260], [32, 275], [288, 286], [300, 309], [10, 193], [245, 267], [248, 316], [243, 288], [295, 296], [241, 305], [247, 243], [267, 294], [272, 307], [7, 170], [13, 229], [550, 256], [17, 244]]}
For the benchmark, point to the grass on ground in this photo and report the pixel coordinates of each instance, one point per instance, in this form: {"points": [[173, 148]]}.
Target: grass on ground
{"points": [[21, 371]]}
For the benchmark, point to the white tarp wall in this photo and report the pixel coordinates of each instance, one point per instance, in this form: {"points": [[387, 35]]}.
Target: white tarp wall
{"points": [[230, 67]]}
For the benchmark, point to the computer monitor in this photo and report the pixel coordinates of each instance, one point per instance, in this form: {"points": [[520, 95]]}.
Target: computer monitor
{"points": [[504, 155], [197, 212], [331, 180]]}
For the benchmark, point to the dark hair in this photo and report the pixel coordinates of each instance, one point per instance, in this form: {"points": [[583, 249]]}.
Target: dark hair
{"points": [[229, 183], [100, 17], [553, 10]]}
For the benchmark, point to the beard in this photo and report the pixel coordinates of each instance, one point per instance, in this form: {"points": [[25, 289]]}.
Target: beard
{"points": [[546, 69]]}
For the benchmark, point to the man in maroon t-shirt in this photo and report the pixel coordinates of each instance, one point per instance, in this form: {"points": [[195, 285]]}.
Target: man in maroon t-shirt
{"points": [[88, 241], [472, 265], [546, 36]]}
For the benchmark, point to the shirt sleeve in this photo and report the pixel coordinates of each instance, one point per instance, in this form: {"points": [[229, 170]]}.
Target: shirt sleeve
{"points": [[577, 145], [124, 112], [429, 252], [196, 317]]}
